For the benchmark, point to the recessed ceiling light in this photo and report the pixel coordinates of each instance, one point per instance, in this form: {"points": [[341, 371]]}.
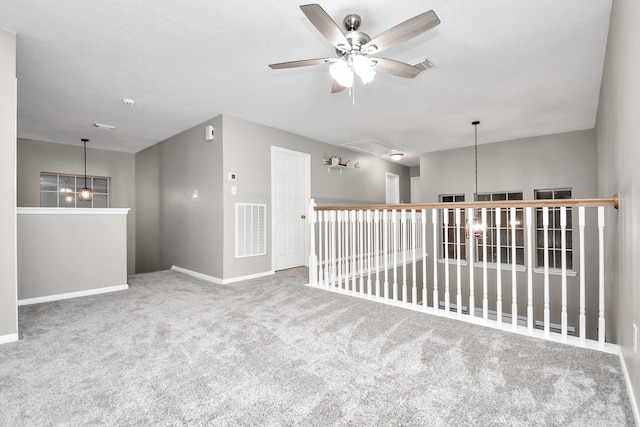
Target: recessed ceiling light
{"points": [[103, 126], [128, 102]]}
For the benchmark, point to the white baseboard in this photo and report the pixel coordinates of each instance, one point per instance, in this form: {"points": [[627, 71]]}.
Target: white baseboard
{"points": [[217, 280], [5, 339], [69, 295], [627, 381]]}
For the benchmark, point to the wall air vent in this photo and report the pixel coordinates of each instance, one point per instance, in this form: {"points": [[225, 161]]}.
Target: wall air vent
{"points": [[251, 223], [424, 64]]}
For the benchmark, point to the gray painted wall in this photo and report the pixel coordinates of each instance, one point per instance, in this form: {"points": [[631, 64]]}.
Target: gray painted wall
{"points": [[247, 152], [174, 227], [40, 156], [72, 252], [8, 111], [617, 128], [551, 161], [199, 235]]}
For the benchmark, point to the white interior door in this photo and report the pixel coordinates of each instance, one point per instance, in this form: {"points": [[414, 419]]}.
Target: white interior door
{"points": [[416, 192], [290, 187], [393, 188]]}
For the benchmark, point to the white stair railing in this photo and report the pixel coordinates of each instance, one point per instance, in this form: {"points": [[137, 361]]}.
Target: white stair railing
{"points": [[379, 252]]}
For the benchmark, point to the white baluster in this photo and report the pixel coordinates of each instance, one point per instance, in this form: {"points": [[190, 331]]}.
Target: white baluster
{"points": [[498, 266], [361, 249], [414, 289], [394, 231], [514, 287], [529, 216], [472, 296], [313, 260], [376, 244], [320, 259], [385, 251], [601, 324], [339, 250], [434, 223], [485, 294], [327, 277], [446, 261], [332, 233], [583, 318], [563, 251], [403, 241], [346, 256], [369, 254], [423, 220], [458, 269], [545, 230], [354, 253]]}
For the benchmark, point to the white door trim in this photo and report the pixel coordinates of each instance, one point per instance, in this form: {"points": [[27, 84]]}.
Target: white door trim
{"points": [[395, 179], [307, 198]]}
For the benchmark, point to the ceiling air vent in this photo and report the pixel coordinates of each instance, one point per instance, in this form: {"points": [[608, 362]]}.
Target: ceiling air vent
{"points": [[370, 146], [424, 64]]}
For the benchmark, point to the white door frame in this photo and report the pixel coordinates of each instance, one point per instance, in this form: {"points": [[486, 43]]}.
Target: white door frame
{"points": [[395, 180], [307, 198]]}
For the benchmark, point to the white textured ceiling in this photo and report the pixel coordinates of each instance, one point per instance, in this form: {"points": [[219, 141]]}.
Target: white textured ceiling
{"points": [[524, 68]]}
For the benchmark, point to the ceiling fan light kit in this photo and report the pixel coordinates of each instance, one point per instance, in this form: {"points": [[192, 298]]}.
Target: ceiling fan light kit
{"points": [[354, 47]]}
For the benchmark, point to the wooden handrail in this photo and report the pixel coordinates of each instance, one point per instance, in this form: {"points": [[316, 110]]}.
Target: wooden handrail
{"points": [[613, 201]]}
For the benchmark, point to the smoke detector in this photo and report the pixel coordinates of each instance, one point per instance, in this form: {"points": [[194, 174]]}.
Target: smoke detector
{"points": [[128, 102]]}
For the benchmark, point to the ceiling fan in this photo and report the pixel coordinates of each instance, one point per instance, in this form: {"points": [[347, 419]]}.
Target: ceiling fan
{"points": [[355, 49]]}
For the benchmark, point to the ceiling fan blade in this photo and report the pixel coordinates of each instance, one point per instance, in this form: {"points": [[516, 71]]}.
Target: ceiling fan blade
{"points": [[327, 26], [302, 63], [337, 87], [396, 68], [402, 32]]}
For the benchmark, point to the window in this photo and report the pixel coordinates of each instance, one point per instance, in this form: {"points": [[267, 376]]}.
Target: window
{"points": [[554, 231], [450, 229], [503, 232], [61, 191]]}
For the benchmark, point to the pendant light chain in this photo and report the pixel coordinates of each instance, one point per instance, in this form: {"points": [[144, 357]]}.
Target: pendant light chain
{"points": [[475, 124], [86, 193], [85, 164]]}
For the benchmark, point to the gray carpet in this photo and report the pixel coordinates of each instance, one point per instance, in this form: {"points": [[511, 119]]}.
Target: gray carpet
{"points": [[174, 350]]}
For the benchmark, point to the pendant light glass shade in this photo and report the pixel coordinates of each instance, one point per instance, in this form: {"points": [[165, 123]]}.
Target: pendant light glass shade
{"points": [[85, 194]]}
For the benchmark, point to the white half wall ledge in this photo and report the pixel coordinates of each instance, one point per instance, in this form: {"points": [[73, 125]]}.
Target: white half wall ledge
{"points": [[71, 211], [219, 281], [6, 339], [69, 295]]}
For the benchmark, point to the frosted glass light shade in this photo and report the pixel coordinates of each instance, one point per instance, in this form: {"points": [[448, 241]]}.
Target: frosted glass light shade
{"points": [[364, 68], [342, 73]]}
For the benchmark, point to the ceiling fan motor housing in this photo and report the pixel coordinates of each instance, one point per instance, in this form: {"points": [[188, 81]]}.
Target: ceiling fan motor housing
{"points": [[352, 22]]}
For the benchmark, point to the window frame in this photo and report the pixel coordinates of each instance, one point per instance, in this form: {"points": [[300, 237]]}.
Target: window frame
{"points": [[79, 183], [451, 228], [554, 232], [506, 256]]}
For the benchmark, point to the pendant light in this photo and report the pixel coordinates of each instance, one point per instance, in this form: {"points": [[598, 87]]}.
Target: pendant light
{"points": [[85, 194], [477, 227]]}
